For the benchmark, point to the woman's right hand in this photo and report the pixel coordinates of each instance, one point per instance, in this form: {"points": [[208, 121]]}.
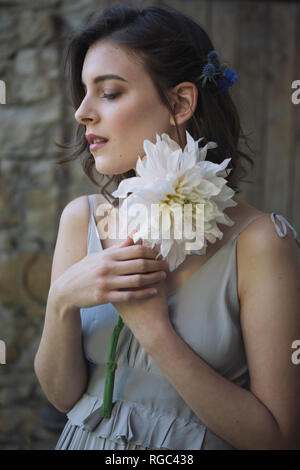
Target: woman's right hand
{"points": [[119, 273]]}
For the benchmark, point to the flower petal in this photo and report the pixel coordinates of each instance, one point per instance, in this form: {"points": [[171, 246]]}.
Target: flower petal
{"points": [[128, 185], [171, 177]]}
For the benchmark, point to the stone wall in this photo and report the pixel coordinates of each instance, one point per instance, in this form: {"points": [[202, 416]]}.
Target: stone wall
{"points": [[33, 192]]}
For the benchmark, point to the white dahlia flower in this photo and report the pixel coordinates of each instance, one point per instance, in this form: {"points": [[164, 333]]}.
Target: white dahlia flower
{"points": [[171, 178]]}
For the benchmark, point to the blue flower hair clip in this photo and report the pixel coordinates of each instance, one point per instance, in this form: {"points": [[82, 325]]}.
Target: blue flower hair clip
{"points": [[222, 76]]}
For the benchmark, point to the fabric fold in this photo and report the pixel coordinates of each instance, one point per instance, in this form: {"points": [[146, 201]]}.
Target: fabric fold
{"points": [[133, 423]]}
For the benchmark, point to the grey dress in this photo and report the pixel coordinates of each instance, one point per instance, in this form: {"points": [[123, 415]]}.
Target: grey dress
{"points": [[148, 412]]}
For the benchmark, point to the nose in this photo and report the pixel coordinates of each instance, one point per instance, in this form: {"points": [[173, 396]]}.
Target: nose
{"points": [[85, 113]]}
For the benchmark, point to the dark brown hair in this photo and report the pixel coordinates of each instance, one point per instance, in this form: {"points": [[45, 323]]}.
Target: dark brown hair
{"points": [[173, 48]]}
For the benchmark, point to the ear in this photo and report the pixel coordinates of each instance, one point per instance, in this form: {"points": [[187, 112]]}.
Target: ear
{"points": [[184, 98]]}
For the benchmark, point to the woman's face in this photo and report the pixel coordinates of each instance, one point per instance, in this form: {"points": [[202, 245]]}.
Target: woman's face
{"points": [[132, 114]]}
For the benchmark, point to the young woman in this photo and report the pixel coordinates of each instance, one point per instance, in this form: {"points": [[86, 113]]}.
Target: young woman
{"points": [[205, 363]]}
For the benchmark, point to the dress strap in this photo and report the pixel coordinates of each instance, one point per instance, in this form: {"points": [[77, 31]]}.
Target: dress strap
{"points": [[280, 232], [91, 206], [284, 223], [93, 231]]}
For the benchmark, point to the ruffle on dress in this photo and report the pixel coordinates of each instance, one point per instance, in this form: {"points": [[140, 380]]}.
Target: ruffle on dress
{"points": [[130, 424]]}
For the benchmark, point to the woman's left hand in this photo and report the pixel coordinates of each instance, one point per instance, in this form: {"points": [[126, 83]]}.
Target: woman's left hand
{"points": [[146, 317]]}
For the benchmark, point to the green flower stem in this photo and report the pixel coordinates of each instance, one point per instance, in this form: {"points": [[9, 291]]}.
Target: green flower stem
{"points": [[111, 366]]}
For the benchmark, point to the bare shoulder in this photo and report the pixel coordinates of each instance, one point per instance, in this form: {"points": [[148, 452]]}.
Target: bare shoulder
{"points": [[78, 208], [75, 217], [262, 236], [78, 213], [260, 245], [71, 243]]}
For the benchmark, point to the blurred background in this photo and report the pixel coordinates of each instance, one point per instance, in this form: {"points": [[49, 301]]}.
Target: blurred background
{"points": [[257, 39]]}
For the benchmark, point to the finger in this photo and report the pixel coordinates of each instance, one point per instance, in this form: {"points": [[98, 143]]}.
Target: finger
{"points": [[140, 266], [136, 280], [127, 242], [132, 252], [127, 296]]}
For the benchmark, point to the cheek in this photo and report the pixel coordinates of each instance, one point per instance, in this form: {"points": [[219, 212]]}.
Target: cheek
{"points": [[130, 117], [135, 121], [139, 115]]}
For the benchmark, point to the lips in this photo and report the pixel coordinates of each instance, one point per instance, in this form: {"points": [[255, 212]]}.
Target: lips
{"points": [[91, 137], [97, 145]]}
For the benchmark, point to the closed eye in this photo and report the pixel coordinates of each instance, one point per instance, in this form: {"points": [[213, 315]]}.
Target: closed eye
{"points": [[111, 96]]}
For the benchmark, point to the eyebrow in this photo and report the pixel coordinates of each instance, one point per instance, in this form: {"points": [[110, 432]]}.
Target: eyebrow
{"points": [[110, 76]]}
